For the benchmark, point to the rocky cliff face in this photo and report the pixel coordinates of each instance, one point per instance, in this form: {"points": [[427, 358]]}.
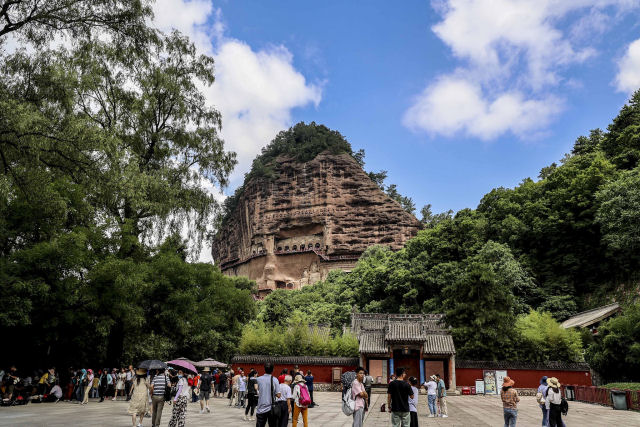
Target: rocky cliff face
{"points": [[314, 217]]}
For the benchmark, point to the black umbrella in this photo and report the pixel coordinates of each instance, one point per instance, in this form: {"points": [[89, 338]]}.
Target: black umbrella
{"points": [[152, 364]]}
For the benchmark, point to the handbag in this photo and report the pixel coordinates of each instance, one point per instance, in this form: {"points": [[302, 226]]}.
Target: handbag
{"points": [[276, 409]]}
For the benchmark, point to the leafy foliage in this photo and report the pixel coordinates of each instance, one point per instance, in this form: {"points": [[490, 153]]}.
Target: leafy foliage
{"points": [[542, 338], [615, 353], [103, 153], [296, 338]]}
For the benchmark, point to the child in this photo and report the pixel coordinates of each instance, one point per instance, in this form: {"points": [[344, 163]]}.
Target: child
{"points": [[413, 403]]}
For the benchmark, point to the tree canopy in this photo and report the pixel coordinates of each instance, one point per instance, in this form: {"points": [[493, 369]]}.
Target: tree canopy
{"points": [[105, 149]]}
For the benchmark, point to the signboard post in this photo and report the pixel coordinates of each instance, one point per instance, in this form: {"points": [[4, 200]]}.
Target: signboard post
{"points": [[489, 382], [500, 380], [479, 386]]}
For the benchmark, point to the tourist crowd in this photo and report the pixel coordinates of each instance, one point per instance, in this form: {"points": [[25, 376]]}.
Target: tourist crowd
{"points": [[148, 390], [402, 399]]}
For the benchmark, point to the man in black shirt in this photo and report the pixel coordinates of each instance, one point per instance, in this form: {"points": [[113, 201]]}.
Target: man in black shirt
{"points": [[398, 394], [205, 390]]}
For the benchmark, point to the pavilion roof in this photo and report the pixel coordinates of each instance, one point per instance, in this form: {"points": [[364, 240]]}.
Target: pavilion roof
{"points": [[589, 317]]}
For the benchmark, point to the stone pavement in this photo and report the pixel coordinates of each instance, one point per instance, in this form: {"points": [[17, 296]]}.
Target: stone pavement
{"points": [[114, 414], [464, 411], [487, 411]]}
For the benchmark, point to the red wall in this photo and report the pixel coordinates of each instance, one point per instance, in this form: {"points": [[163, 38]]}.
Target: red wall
{"points": [[525, 378], [321, 373]]}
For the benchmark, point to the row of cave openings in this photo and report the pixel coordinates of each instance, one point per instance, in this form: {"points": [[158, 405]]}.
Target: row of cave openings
{"points": [[294, 248]]}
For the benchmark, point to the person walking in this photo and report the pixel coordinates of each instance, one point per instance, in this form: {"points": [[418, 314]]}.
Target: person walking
{"points": [[234, 388], [88, 386], [442, 396], [553, 402], [398, 394], [413, 402], [138, 403], [432, 392], [510, 401], [103, 384], [359, 395], [121, 378], [159, 384], [268, 392], [205, 390], [179, 413], [309, 380], [252, 395], [285, 401], [129, 377], [242, 389], [368, 383], [300, 404], [541, 396]]}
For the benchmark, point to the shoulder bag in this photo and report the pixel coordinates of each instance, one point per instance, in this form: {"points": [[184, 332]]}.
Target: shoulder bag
{"points": [[276, 409]]}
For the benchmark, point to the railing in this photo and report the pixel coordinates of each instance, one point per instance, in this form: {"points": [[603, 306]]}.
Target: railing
{"points": [[601, 395]]}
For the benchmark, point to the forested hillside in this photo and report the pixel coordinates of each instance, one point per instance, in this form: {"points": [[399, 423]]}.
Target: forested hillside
{"points": [[562, 243]]}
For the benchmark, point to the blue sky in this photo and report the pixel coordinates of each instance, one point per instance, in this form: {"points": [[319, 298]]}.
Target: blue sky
{"points": [[451, 97]]}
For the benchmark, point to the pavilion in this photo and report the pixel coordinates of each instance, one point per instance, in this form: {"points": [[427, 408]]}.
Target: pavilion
{"points": [[420, 343]]}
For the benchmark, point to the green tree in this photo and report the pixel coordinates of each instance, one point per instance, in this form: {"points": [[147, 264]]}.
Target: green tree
{"points": [[480, 309], [542, 338], [41, 20], [615, 354], [619, 213]]}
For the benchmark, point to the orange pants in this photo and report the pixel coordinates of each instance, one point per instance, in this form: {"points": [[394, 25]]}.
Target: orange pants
{"points": [[296, 411]]}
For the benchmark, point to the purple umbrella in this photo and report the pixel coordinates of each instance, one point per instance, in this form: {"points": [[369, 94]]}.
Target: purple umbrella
{"points": [[184, 364]]}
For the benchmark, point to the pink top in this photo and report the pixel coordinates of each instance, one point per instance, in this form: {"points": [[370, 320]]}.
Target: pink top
{"points": [[356, 388]]}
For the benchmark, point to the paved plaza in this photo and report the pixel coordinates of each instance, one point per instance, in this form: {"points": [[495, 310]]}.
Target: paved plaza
{"points": [[464, 411]]}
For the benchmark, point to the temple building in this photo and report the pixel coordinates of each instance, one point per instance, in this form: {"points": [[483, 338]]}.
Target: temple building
{"points": [[420, 343]]}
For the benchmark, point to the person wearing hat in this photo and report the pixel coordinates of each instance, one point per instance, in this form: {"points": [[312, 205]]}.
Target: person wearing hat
{"points": [[510, 401], [298, 384], [205, 389], [432, 388], [553, 401], [139, 403]]}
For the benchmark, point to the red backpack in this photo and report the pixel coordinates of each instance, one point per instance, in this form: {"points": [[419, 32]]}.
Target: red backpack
{"points": [[305, 399]]}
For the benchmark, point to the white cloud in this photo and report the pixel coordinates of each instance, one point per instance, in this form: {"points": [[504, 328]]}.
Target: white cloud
{"points": [[255, 90], [455, 105], [628, 77], [511, 55]]}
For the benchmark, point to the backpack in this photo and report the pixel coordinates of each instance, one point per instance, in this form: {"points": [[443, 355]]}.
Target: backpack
{"points": [[305, 399], [564, 406], [348, 404]]}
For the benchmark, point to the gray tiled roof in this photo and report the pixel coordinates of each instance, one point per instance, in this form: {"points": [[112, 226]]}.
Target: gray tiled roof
{"points": [[439, 344], [377, 331], [372, 342], [299, 360], [589, 317]]}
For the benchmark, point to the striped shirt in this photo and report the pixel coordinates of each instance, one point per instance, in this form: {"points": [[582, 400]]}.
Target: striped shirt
{"points": [[159, 383]]}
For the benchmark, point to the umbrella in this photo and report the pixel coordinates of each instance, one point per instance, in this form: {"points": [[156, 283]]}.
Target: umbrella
{"points": [[152, 364], [209, 362], [184, 364]]}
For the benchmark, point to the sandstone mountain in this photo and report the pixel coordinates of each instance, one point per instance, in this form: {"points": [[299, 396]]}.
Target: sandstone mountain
{"points": [[289, 230]]}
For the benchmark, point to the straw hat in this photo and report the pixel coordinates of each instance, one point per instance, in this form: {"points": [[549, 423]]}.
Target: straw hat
{"points": [[206, 369], [299, 379], [141, 371], [553, 382], [433, 377], [508, 382]]}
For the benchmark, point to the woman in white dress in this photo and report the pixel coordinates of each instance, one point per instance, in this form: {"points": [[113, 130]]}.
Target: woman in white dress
{"points": [[122, 376]]}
